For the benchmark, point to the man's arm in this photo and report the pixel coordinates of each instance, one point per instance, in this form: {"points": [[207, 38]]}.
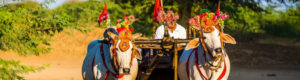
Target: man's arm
{"points": [[159, 33], [182, 32]]}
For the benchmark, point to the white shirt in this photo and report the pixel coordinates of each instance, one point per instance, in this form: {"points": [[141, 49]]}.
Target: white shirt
{"points": [[178, 33]]}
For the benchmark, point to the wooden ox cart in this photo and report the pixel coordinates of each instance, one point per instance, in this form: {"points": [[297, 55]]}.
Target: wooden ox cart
{"points": [[165, 46]]}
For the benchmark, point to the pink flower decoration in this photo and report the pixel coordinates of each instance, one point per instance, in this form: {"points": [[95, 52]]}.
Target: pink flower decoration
{"points": [[218, 14], [195, 21], [118, 21], [168, 18], [160, 16], [225, 16], [130, 19], [169, 12], [175, 17], [215, 18]]}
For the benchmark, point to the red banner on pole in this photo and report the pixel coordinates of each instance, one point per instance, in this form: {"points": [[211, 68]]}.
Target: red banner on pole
{"points": [[157, 8], [104, 15]]}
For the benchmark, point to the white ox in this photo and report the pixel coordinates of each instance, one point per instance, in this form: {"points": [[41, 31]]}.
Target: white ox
{"points": [[212, 64], [112, 62]]}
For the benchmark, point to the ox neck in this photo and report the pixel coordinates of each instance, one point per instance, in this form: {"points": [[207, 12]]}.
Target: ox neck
{"points": [[108, 57]]}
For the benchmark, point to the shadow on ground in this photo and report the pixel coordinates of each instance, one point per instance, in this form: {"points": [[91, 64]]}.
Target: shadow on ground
{"points": [[260, 60]]}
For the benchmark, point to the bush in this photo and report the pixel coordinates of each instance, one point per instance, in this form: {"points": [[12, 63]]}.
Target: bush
{"points": [[23, 28], [11, 70]]}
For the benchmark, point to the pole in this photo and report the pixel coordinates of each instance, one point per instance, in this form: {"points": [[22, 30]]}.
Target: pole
{"points": [[175, 60]]}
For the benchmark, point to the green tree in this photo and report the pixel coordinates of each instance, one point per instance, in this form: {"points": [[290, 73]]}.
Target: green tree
{"points": [[282, 24]]}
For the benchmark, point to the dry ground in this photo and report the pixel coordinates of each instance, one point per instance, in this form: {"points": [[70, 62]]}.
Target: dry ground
{"points": [[265, 52]]}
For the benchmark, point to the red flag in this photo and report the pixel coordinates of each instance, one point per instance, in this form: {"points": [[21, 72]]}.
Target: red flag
{"points": [[218, 10], [157, 8], [104, 15]]}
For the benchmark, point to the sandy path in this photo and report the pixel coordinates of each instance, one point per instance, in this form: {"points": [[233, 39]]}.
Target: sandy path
{"points": [[267, 73], [245, 73], [65, 59]]}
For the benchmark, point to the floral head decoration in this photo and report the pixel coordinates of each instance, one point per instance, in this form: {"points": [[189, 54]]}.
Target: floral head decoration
{"points": [[206, 20], [125, 24], [170, 16]]}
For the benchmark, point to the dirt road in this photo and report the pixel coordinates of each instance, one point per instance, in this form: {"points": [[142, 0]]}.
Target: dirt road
{"points": [[273, 73]]}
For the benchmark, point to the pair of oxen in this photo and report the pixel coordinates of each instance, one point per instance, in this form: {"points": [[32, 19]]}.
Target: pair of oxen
{"points": [[204, 58]]}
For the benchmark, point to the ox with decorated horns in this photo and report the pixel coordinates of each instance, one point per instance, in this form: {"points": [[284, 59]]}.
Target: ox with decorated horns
{"points": [[116, 59], [205, 58]]}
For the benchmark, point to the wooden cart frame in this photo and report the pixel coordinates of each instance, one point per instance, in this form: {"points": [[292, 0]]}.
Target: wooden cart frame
{"points": [[166, 45]]}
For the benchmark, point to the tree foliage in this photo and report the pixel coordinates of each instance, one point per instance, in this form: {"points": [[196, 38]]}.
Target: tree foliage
{"points": [[283, 24], [18, 24], [11, 70]]}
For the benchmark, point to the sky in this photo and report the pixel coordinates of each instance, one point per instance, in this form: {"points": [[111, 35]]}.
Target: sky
{"points": [[263, 3], [280, 6], [55, 4]]}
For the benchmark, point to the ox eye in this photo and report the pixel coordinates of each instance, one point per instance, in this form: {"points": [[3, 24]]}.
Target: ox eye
{"points": [[204, 37]]}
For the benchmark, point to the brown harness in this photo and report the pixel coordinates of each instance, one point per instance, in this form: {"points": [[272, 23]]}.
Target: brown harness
{"points": [[207, 52]]}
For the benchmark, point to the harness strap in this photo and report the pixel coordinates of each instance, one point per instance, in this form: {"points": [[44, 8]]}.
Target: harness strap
{"points": [[197, 64], [198, 68], [223, 72], [104, 62], [206, 51], [187, 65], [92, 67], [131, 57]]}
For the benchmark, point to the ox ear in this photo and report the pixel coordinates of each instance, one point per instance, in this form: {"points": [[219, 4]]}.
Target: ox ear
{"points": [[227, 38], [136, 54], [112, 35], [192, 44], [136, 35]]}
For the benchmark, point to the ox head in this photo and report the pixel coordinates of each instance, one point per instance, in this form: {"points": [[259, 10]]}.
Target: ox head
{"points": [[124, 51], [212, 40]]}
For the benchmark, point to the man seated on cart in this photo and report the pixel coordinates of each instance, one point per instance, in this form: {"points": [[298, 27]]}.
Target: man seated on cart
{"points": [[175, 30]]}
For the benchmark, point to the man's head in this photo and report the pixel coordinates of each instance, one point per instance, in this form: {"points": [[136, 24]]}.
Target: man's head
{"points": [[171, 18], [168, 18]]}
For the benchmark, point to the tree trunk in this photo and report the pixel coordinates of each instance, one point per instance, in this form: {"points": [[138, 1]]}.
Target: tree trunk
{"points": [[184, 12]]}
